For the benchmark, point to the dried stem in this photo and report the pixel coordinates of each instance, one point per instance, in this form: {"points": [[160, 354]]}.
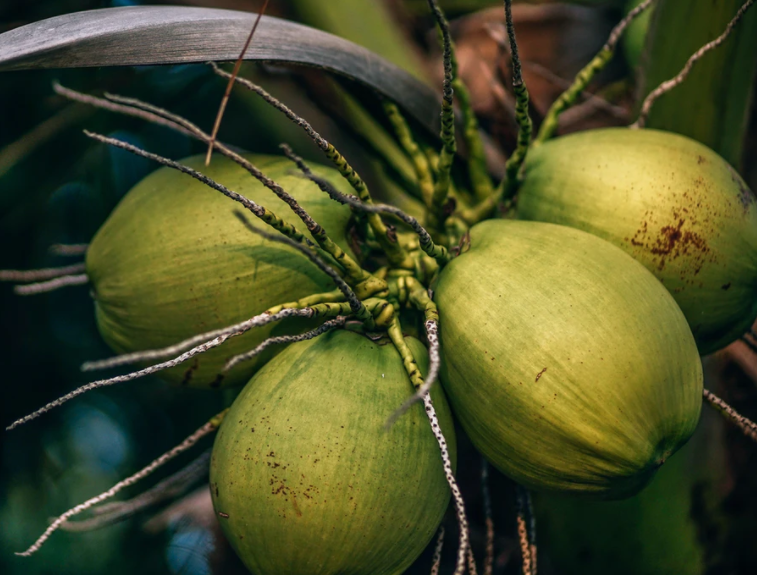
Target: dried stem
{"points": [[747, 426], [230, 85], [40, 274], [457, 498], [436, 561], [223, 335], [677, 80], [339, 321], [522, 520], [69, 249], [169, 488], [509, 184], [438, 252], [51, 285], [586, 75], [489, 557], [185, 445]]}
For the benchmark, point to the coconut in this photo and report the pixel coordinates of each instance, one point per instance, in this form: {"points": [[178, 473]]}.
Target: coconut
{"points": [[671, 203], [306, 479], [172, 261], [568, 364]]}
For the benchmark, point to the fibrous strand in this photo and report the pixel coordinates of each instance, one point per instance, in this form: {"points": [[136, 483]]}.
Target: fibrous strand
{"points": [[188, 443], [225, 334], [40, 274], [746, 425], [51, 285]]}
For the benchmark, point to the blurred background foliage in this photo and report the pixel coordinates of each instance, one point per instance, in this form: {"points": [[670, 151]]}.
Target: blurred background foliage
{"points": [[56, 186]]}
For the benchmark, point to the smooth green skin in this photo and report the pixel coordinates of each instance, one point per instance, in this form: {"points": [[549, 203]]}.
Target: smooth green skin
{"points": [[308, 476], [173, 261], [567, 363], [671, 203]]}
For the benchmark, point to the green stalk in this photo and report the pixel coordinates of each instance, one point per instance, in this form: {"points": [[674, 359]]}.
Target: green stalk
{"points": [[712, 105]]}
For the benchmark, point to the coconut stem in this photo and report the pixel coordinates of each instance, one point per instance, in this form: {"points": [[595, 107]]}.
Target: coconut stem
{"points": [[438, 252], [436, 560], [393, 250], [509, 183], [423, 171], [527, 545], [69, 249], [463, 550], [678, 79], [570, 96], [39, 274], [185, 445], [449, 146], [219, 337], [339, 321], [169, 488], [51, 285], [489, 522], [746, 425]]}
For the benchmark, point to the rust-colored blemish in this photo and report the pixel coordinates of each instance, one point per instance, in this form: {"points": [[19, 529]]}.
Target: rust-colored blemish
{"points": [[222, 514], [538, 375]]}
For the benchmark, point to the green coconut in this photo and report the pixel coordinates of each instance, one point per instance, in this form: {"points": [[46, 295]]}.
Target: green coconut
{"points": [[172, 261], [305, 478], [567, 363], [671, 203]]}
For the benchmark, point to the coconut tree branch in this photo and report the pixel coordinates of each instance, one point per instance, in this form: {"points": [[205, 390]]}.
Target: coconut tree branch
{"points": [[438, 252], [746, 425], [570, 96], [185, 445], [436, 560], [677, 80], [509, 183], [51, 285]]}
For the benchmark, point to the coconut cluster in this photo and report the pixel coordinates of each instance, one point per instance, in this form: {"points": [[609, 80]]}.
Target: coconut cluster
{"points": [[567, 338]]}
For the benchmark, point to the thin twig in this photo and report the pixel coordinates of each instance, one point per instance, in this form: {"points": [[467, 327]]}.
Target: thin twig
{"points": [[69, 249], [339, 321], [188, 443], [230, 85], [746, 425], [678, 79], [40, 274], [489, 556], [169, 488], [226, 333], [51, 285]]}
